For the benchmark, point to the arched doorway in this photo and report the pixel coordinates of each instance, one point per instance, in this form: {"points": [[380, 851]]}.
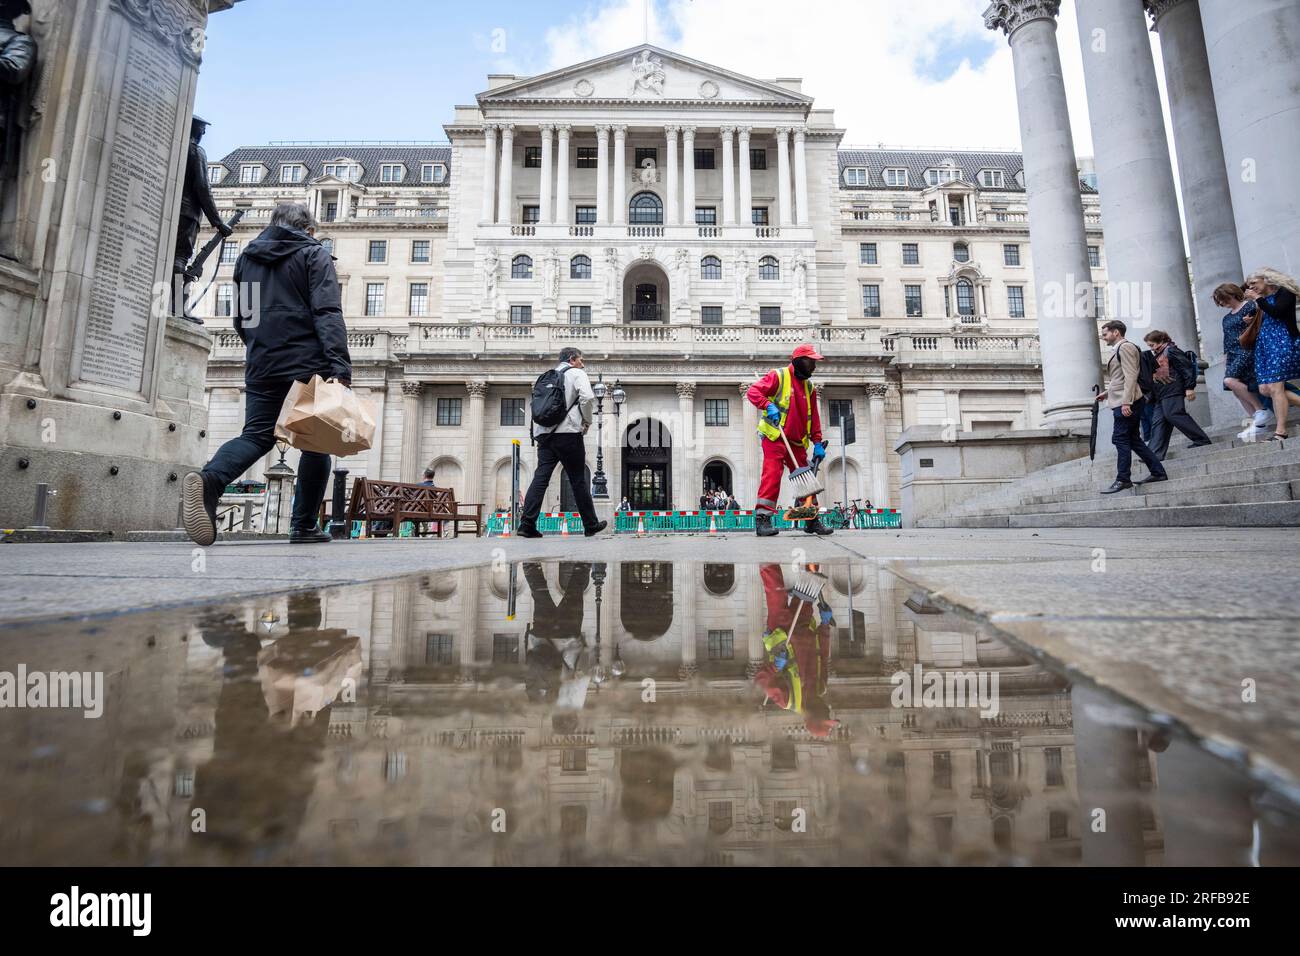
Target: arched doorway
{"points": [[647, 465], [646, 600], [567, 502], [645, 292], [717, 477]]}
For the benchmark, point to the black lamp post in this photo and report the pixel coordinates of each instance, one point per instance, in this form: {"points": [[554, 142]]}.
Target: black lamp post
{"points": [[599, 482]]}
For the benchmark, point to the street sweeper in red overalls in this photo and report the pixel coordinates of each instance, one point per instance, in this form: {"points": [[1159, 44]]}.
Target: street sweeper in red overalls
{"points": [[787, 401], [797, 646]]}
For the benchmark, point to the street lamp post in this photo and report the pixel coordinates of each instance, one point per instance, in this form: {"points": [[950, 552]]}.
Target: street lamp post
{"points": [[599, 482]]}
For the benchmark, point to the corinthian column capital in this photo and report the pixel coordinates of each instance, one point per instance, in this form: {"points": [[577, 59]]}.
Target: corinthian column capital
{"points": [[477, 388], [1158, 8], [685, 389], [1010, 15], [412, 389]]}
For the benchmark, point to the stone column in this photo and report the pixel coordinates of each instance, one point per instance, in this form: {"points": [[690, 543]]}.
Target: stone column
{"points": [[1067, 328], [745, 493], [489, 171], [563, 161], [687, 587], [1251, 48], [1144, 239], [728, 177], [411, 392], [602, 175], [619, 202], [783, 173], [468, 638], [755, 619], [888, 623], [673, 212], [876, 392], [684, 448], [800, 178], [745, 214], [400, 639], [505, 196], [474, 452], [544, 186], [688, 175], [1106, 749]]}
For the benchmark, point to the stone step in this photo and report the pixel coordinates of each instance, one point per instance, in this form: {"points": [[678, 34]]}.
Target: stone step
{"points": [[1271, 514], [1247, 476], [1223, 495]]}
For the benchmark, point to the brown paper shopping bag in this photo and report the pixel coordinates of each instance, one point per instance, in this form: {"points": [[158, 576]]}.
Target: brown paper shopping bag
{"points": [[327, 417]]}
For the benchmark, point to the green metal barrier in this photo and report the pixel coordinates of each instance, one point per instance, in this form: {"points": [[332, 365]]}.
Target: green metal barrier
{"points": [[632, 522]]}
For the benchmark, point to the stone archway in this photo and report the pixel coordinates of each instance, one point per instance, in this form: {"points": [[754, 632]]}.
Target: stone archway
{"points": [[645, 293], [648, 465]]}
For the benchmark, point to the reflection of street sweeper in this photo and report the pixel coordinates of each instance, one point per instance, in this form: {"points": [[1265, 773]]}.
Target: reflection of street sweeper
{"points": [[797, 643], [790, 426]]}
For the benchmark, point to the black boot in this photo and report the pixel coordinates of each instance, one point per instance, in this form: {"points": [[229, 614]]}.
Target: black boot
{"points": [[815, 526], [763, 526], [200, 496], [312, 535]]}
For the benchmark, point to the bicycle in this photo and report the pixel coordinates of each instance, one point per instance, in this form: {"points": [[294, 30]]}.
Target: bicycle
{"points": [[835, 516]]}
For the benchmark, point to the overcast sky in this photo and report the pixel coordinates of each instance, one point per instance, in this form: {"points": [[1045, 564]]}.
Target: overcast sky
{"points": [[918, 73]]}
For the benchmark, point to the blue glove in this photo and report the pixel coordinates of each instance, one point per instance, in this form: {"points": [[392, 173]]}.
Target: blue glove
{"points": [[773, 413], [780, 661], [827, 616], [819, 451]]}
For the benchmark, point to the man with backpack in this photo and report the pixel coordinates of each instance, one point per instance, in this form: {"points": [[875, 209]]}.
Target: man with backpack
{"points": [[1173, 373], [561, 406], [1127, 385]]}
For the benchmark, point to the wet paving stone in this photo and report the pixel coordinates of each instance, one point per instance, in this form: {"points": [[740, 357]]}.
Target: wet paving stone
{"points": [[642, 712]]}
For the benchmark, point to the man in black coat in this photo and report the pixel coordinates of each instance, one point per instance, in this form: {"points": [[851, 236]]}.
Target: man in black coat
{"points": [[1175, 385], [290, 319], [196, 202]]}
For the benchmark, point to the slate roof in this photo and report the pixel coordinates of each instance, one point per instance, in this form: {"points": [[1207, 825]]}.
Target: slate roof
{"points": [[314, 158], [918, 161]]}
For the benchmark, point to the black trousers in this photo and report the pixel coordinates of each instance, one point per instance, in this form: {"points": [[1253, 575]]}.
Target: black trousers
{"points": [[1126, 437], [565, 449], [262, 403], [1170, 413]]}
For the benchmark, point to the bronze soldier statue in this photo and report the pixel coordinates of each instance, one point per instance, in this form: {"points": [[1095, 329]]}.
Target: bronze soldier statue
{"points": [[196, 201], [17, 58]]}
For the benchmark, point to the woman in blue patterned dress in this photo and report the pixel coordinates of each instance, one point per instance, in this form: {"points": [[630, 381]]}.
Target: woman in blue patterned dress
{"points": [[1277, 350], [1239, 361]]}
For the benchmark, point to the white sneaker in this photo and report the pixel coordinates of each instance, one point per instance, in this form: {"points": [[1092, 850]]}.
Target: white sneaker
{"points": [[1264, 417], [1250, 434]]}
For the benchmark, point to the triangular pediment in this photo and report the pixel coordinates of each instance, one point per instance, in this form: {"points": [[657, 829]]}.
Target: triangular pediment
{"points": [[644, 74]]}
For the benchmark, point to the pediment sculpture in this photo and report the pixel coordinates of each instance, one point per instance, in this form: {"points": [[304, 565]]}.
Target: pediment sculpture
{"points": [[647, 74]]}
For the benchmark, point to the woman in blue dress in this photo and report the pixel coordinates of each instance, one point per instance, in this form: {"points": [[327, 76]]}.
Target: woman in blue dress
{"points": [[1239, 361], [1277, 349]]}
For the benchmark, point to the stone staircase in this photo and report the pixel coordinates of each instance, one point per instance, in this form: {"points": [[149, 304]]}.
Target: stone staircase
{"points": [[1230, 483]]}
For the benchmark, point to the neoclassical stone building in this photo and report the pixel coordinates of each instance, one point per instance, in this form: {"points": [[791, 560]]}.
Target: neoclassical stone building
{"points": [[686, 227]]}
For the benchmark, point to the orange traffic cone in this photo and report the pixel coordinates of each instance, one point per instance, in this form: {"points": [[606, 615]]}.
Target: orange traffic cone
{"points": [[713, 524], [640, 526], [564, 525], [505, 530]]}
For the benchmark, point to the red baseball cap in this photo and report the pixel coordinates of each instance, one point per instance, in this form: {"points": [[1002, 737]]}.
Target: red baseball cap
{"points": [[807, 351]]}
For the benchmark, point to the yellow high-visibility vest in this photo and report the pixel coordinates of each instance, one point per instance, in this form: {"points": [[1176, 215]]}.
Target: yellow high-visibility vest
{"points": [[773, 432]]}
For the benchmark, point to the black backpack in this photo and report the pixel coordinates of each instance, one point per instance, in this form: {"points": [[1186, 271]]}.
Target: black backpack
{"points": [[1147, 365], [548, 406]]}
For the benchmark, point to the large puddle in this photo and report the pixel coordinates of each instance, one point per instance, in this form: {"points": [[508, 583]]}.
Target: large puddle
{"points": [[577, 713]]}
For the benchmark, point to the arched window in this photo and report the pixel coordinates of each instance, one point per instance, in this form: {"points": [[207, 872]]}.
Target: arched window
{"points": [[710, 267], [961, 252], [646, 209], [769, 268], [580, 267], [521, 267], [965, 297], [719, 579]]}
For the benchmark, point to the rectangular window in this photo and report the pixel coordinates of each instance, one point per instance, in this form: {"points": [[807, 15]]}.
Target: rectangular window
{"points": [[505, 647], [250, 174], [374, 298], [512, 412], [720, 816], [895, 177], [942, 778], [1058, 825], [911, 254], [1099, 300], [716, 411], [759, 216], [225, 300], [643, 153], [229, 252], [1016, 301], [433, 173], [532, 157], [580, 315], [1094, 256], [1055, 778], [532, 214], [449, 411], [391, 172], [574, 760], [710, 315], [586, 158], [704, 159], [388, 209], [419, 250], [721, 644], [757, 158], [902, 213], [867, 253], [855, 176], [912, 299], [521, 315], [377, 251], [769, 315], [706, 216], [585, 215], [871, 301], [1010, 254], [437, 649], [291, 173], [216, 174], [419, 304], [840, 408], [991, 178]]}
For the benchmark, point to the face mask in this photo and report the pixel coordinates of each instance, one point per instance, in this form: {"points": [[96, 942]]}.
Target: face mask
{"points": [[803, 368]]}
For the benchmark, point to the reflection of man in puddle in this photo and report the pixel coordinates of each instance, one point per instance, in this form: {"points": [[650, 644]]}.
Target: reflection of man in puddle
{"points": [[254, 790], [554, 640], [798, 646]]}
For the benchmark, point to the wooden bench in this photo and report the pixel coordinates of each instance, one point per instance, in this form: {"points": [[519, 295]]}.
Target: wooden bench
{"points": [[394, 502]]}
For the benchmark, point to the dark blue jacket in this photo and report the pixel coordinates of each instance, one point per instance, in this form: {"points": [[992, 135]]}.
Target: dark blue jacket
{"points": [[290, 314]]}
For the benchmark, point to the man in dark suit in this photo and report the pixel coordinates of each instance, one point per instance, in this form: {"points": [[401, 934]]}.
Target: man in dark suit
{"points": [[1175, 384]]}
